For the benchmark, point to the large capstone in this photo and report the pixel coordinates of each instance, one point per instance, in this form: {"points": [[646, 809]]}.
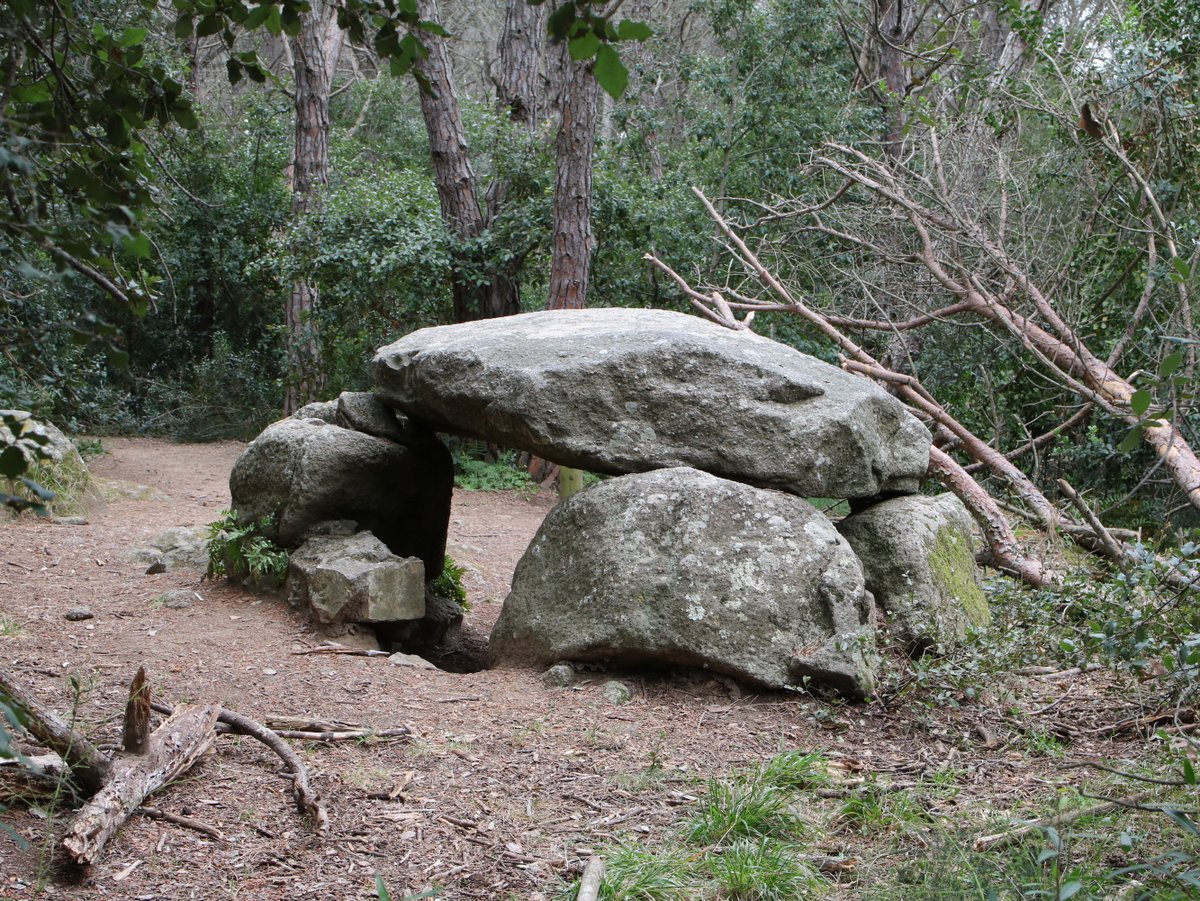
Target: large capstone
{"points": [[680, 567], [918, 557], [621, 391], [302, 472], [355, 579]]}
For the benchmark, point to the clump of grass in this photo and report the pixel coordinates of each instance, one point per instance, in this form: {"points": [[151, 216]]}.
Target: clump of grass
{"points": [[797, 771], [875, 809], [633, 874], [762, 870], [749, 807], [743, 842], [68, 484], [11, 628]]}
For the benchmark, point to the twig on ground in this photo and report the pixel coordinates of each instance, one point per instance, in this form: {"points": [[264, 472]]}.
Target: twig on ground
{"points": [[343, 650], [306, 799], [1018, 833], [187, 822]]}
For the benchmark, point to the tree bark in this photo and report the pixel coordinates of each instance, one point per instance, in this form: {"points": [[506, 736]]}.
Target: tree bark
{"points": [[315, 53], [573, 241], [522, 44], [892, 63], [457, 187], [173, 747]]}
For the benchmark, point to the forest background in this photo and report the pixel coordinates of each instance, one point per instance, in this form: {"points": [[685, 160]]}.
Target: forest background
{"points": [[155, 244]]}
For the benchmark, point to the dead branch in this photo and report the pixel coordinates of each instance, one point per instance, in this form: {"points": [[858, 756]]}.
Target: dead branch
{"points": [[1079, 417], [341, 649], [154, 813], [173, 747], [343, 735], [1110, 545], [1004, 551], [306, 799], [593, 875], [89, 767], [1019, 833]]}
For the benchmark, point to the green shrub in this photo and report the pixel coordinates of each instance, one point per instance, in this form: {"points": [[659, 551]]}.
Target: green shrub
{"points": [[484, 475], [449, 584], [242, 552]]}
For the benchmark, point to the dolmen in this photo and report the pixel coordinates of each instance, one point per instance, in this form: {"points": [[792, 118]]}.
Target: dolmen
{"points": [[704, 548]]}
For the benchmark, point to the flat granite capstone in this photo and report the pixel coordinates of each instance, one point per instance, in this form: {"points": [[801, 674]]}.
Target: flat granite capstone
{"points": [[623, 391]]}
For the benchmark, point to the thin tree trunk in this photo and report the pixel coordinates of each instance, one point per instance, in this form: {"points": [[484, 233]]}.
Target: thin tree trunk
{"points": [[892, 63], [314, 52], [457, 187], [573, 241], [519, 95]]}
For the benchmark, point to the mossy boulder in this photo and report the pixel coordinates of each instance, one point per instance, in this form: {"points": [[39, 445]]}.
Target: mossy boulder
{"points": [[53, 460], [918, 559]]}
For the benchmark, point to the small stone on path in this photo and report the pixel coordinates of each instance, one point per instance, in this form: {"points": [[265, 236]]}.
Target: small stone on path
{"points": [[412, 660], [75, 614], [616, 693], [559, 676]]}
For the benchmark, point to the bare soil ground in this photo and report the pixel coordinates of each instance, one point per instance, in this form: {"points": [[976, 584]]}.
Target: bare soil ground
{"points": [[506, 785]]}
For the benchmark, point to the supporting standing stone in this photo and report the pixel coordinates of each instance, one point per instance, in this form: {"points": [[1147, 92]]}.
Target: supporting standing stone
{"points": [[680, 567], [303, 472], [918, 557]]}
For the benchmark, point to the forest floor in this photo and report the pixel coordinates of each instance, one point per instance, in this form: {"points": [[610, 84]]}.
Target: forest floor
{"points": [[505, 786]]}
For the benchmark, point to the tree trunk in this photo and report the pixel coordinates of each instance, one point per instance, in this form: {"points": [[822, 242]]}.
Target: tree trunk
{"points": [[457, 186], [314, 52], [522, 43], [573, 241], [891, 34]]}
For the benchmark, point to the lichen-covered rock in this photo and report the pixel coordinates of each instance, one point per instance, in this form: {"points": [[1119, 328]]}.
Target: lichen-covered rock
{"points": [[680, 567], [355, 579], [52, 461], [178, 548], [324, 410], [364, 412], [621, 391], [918, 557], [301, 472]]}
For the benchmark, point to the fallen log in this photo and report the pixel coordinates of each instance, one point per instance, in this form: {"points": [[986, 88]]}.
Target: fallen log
{"points": [[89, 766], [182, 739], [117, 787]]}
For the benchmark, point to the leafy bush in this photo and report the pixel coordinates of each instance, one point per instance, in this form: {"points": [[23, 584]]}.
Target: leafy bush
{"points": [[241, 551], [491, 475], [449, 584]]}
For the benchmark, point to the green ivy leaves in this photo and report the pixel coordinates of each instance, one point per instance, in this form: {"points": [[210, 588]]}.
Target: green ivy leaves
{"points": [[591, 36]]}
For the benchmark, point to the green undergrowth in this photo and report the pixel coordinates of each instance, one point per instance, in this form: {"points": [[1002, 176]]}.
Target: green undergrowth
{"points": [[471, 474], [243, 552], [799, 827], [449, 584]]}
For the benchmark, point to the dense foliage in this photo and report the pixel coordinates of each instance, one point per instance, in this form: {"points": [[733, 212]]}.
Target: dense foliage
{"points": [[150, 237]]}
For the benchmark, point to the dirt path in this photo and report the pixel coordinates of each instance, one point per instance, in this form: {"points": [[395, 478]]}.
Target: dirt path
{"points": [[506, 786]]}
